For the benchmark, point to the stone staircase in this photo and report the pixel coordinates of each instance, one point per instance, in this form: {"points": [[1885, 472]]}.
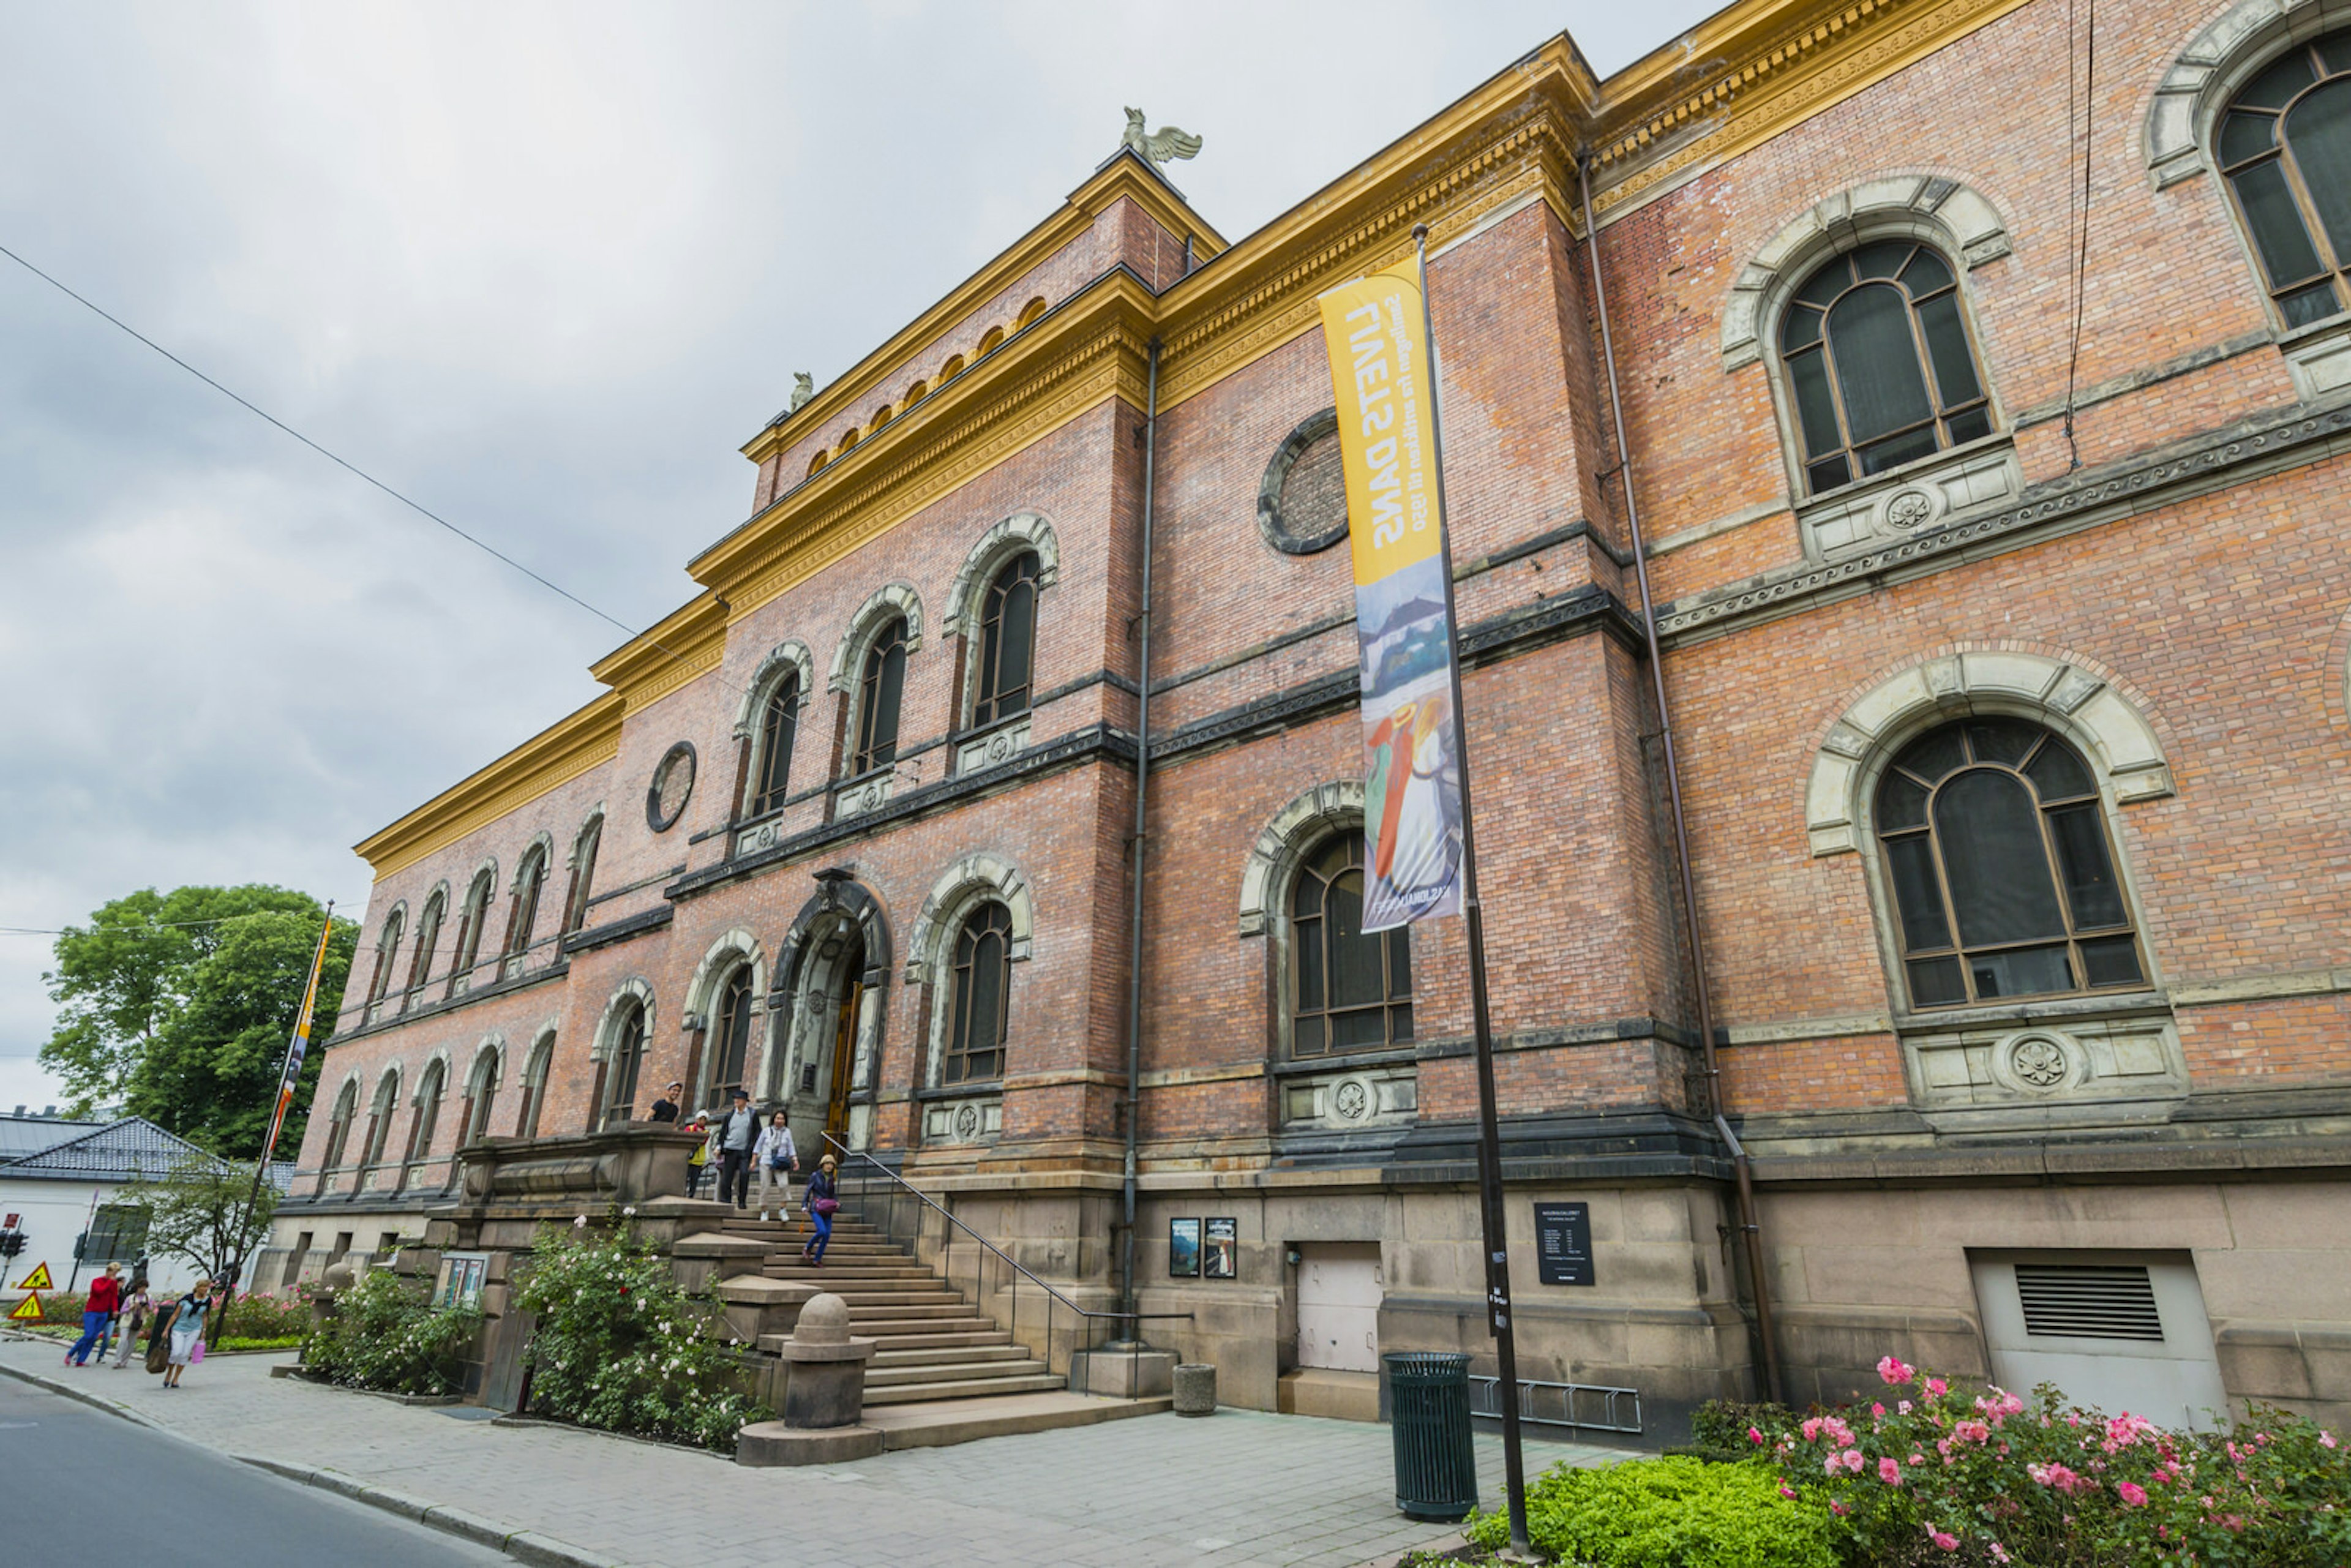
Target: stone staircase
{"points": [[930, 1342]]}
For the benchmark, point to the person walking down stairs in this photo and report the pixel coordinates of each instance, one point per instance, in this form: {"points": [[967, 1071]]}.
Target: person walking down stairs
{"points": [[823, 1201], [777, 1159]]}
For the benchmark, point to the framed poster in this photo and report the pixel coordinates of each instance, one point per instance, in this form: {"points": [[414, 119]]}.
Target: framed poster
{"points": [[1219, 1253], [1563, 1243], [1183, 1248]]}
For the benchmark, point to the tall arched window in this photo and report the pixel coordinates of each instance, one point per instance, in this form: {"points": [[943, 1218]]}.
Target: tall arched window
{"points": [[427, 1116], [2284, 143], [534, 1087], [1008, 642], [1878, 363], [1348, 992], [583, 873], [380, 1112], [338, 1125], [779, 725], [880, 689], [1994, 844], [481, 1094], [523, 913], [730, 1034], [469, 926], [628, 1059], [978, 1011], [428, 936], [387, 956]]}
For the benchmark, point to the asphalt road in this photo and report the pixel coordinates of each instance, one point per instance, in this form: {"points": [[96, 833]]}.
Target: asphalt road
{"points": [[78, 1485]]}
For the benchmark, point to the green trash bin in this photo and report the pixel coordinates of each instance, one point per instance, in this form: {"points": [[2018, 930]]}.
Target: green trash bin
{"points": [[1429, 1412]]}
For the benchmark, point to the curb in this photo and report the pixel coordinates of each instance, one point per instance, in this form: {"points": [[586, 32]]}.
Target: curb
{"points": [[523, 1545]]}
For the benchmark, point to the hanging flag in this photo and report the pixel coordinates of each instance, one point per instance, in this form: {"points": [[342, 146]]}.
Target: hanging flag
{"points": [[1382, 371], [301, 1043]]}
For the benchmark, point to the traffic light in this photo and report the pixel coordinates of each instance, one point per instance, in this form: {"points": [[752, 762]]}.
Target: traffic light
{"points": [[11, 1243]]}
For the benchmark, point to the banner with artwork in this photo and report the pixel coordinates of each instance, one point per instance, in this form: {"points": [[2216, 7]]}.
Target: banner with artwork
{"points": [[1375, 331]]}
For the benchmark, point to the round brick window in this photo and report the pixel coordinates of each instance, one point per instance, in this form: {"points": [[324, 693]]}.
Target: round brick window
{"points": [[1301, 506]]}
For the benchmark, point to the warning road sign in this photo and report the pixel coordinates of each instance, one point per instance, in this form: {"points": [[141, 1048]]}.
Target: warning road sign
{"points": [[28, 1311], [38, 1279]]}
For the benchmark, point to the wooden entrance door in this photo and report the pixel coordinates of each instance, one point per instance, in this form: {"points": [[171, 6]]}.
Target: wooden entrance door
{"points": [[844, 1068]]}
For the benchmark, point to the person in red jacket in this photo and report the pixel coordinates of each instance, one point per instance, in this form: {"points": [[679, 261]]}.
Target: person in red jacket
{"points": [[105, 1301]]}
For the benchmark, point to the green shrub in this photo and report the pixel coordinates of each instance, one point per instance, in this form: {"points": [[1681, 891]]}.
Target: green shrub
{"points": [[386, 1334], [1676, 1513], [268, 1317], [622, 1347], [1719, 1428]]}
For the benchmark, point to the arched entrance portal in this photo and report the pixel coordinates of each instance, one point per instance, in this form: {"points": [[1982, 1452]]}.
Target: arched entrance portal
{"points": [[833, 980]]}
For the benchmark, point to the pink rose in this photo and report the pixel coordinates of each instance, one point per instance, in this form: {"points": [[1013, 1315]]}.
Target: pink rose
{"points": [[1854, 1461], [1998, 1553], [1829, 1465], [1786, 1491], [1753, 1436], [2132, 1493], [1896, 1372], [2327, 1439], [1937, 1389], [1877, 1409], [1890, 1472], [1903, 1407], [1947, 1541], [1971, 1432], [1812, 1428]]}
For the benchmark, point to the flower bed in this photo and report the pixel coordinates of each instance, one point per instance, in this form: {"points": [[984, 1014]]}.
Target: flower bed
{"points": [[386, 1336]]}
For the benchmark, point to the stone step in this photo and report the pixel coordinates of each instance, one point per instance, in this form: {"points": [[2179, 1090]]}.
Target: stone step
{"points": [[929, 1354], [857, 1298], [957, 1371], [931, 1424], [969, 1388], [895, 1334]]}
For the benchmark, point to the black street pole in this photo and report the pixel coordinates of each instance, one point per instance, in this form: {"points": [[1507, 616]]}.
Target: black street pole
{"points": [[1473, 925]]}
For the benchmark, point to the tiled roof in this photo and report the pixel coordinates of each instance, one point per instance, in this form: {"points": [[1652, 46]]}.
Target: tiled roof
{"points": [[131, 1149], [22, 1135]]}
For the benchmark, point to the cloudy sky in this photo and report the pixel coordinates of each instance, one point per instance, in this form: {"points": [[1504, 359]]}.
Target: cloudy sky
{"points": [[544, 268]]}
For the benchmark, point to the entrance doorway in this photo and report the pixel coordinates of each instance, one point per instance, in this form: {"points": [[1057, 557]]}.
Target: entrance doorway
{"points": [[1339, 1287], [2119, 1331], [843, 1056]]}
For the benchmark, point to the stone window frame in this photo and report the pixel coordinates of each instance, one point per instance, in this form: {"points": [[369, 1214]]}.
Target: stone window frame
{"points": [[787, 659], [586, 844], [421, 1132], [1270, 525], [735, 948], [1025, 531], [466, 956], [474, 1122], [432, 915], [383, 1109], [331, 1159], [514, 950], [890, 601], [389, 937], [636, 989], [538, 1068], [2105, 725], [980, 878], [1937, 210]]}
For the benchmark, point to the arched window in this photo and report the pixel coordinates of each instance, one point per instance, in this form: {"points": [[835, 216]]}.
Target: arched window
{"points": [[628, 1058], [380, 1112], [338, 1125], [2284, 143], [918, 392], [819, 460], [989, 340], [481, 1094], [952, 369], [428, 936], [583, 873], [1878, 363], [1348, 992], [978, 1011], [848, 438], [387, 954], [469, 927], [1008, 642], [1029, 312], [879, 691], [523, 913], [730, 1034], [534, 1086], [1994, 844], [427, 1116], [778, 723]]}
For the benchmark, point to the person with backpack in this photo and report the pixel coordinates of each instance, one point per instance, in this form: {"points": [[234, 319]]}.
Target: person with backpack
{"points": [[777, 1159], [186, 1336], [138, 1309], [823, 1199]]}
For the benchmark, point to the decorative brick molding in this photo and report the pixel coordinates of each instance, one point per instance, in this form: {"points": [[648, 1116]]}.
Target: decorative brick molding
{"points": [[1339, 803], [1954, 217], [963, 884], [2121, 743], [896, 598], [1021, 530]]}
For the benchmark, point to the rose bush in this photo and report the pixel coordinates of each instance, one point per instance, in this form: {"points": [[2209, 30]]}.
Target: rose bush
{"points": [[387, 1336]]}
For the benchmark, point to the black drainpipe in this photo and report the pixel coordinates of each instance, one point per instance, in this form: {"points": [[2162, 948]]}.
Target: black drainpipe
{"points": [[1142, 797], [1750, 1227]]}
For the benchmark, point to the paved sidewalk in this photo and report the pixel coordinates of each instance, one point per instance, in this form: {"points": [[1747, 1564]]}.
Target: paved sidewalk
{"points": [[1236, 1490]]}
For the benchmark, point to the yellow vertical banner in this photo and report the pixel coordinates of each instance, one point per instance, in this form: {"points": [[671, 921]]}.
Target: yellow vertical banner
{"points": [[1382, 378]]}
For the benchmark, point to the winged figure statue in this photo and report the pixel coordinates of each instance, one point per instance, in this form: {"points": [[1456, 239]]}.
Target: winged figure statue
{"points": [[803, 389], [1159, 146]]}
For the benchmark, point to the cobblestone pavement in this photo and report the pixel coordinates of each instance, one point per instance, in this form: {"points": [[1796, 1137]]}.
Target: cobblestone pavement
{"points": [[1236, 1489]]}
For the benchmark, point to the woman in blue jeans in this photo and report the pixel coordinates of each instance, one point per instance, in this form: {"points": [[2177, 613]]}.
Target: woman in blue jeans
{"points": [[822, 1198]]}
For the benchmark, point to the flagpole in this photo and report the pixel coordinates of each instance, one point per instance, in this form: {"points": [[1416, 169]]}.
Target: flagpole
{"points": [[295, 1050], [1490, 1134]]}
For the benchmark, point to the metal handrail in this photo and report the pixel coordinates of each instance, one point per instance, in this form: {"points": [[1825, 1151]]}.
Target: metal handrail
{"points": [[1009, 1262]]}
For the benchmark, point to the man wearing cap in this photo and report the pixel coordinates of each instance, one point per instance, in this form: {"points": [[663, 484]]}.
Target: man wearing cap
{"points": [[738, 1133], [666, 1108]]}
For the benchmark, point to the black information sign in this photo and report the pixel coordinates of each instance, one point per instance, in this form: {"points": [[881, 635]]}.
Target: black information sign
{"points": [[1563, 1243]]}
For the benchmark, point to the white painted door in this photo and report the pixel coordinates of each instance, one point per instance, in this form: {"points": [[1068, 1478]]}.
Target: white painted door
{"points": [[1339, 1291], [2122, 1333]]}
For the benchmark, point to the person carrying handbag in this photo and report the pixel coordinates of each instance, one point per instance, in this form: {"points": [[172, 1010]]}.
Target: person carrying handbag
{"points": [[186, 1336], [823, 1199], [777, 1159]]}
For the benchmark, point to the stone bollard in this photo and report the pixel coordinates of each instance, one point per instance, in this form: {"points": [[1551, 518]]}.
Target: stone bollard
{"points": [[333, 1282], [823, 1395], [1196, 1389]]}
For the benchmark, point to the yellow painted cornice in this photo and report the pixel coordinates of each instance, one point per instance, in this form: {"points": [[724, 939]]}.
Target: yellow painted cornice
{"points": [[555, 755], [684, 643], [1124, 178], [1090, 347]]}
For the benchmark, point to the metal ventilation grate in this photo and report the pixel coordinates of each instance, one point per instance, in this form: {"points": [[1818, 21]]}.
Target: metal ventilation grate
{"points": [[2088, 1301]]}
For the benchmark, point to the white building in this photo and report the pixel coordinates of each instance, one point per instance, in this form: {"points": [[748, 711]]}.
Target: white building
{"points": [[63, 1179]]}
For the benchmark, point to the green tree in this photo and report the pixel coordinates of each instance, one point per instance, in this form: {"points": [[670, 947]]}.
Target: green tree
{"points": [[177, 1007], [207, 1212]]}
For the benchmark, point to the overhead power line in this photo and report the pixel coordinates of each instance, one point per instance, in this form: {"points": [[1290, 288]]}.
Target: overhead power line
{"points": [[419, 507]]}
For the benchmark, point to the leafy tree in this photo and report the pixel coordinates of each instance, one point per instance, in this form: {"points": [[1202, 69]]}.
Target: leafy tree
{"points": [[206, 1212], [178, 1005]]}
